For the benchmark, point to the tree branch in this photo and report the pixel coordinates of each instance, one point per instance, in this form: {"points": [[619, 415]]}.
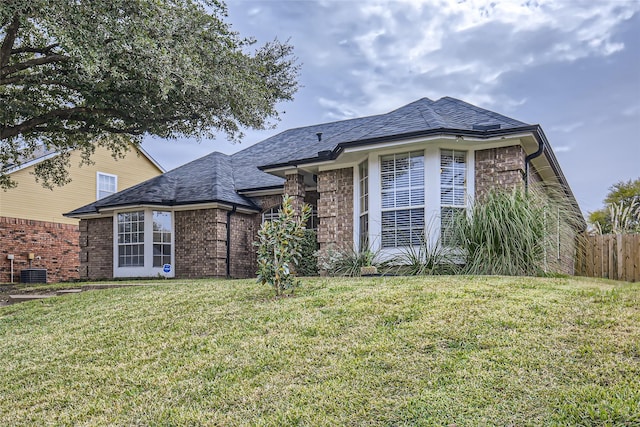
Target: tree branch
{"points": [[9, 39], [41, 50], [59, 114], [5, 71]]}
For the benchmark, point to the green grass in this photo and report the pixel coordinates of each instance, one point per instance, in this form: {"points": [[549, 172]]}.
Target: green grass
{"points": [[377, 352]]}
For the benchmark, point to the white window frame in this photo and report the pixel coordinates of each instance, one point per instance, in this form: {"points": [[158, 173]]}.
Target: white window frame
{"points": [[98, 190], [363, 205], [432, 191], [274, 213], [456, 204], [147, 269], [409, 188]]}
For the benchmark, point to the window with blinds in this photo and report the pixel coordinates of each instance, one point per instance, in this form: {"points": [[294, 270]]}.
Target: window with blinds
{"points": [[274, 213], [402, 182], [453, 192], [363, 173]]}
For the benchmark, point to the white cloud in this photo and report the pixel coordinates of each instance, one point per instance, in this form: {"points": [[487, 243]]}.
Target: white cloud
{"points": [[476, 42], [562, 149], [567, 127]]}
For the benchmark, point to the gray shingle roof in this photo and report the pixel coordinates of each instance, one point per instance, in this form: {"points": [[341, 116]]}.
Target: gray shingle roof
{"points": [[204, 180], [218, 177]]}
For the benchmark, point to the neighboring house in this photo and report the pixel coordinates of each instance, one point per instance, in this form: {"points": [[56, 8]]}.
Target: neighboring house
{"points": [[31, 216], [375, 180]]}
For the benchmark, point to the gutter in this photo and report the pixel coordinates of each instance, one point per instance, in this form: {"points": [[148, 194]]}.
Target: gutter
{"points": [[228, 259], [527, 160]]}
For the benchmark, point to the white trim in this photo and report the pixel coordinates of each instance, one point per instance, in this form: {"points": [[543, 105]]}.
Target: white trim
{"points": [[356, 207], [147, 270], [151, 159], [110, 175], [212, 205], [336, 166], [30, 163], [431, 185]]}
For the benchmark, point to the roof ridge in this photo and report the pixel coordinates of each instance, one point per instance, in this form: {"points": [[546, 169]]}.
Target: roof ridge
{"points": [[388, 117], [480, 110]]}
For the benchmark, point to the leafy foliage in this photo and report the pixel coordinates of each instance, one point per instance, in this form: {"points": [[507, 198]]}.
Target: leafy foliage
{"points": [[427, 258], [279, 246], [346, 261], [76, 74], [308, 264], [515, 233], [621, 213]]}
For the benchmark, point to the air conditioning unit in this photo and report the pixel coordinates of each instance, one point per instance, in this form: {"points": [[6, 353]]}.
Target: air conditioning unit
{"points": [[33, 275]]}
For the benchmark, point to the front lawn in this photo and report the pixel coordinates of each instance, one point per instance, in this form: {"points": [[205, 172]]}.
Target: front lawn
{"points": [[375, 352]]}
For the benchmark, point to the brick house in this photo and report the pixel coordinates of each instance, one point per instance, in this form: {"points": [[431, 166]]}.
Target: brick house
{"points": [[32, 223], [374, 180]]}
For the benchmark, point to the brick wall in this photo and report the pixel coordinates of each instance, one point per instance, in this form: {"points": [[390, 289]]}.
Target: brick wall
{"points": [[244, 231], [200, 240], [201, 243], [54, 245], [294, 187], [335, 208], [499, 167], [96, 248]]}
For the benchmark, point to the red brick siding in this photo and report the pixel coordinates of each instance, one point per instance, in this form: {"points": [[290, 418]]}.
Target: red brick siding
{"points": [[96, 248], [499, 168], [54, 245], [335, 208]]}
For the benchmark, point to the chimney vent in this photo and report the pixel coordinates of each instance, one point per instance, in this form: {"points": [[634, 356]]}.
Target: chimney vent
{"points": [[319, 135]]}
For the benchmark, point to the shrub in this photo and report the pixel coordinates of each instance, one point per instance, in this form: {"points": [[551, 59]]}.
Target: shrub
{"points": [[279, 247], [513, 233], [308, 264], [346, 261], [426, 258]]}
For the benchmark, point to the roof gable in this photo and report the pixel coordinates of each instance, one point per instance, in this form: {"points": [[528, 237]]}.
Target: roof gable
{"points": [[41, 153]]}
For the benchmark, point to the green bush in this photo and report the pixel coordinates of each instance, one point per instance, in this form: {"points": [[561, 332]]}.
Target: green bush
{"points": [[512, 233], [346, 261], [308, 264], [279, 247], [429, 257]]}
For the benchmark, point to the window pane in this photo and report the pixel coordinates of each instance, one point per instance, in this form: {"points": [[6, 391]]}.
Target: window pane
{"points": [[402, 177], [107, 185], [130, 239]]}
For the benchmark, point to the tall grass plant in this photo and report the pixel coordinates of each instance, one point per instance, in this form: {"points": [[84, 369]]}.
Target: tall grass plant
{"points": [[516, 233]]}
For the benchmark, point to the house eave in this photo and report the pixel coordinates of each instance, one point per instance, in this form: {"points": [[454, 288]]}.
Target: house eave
{"points": [[328, 156], [186, 206]]}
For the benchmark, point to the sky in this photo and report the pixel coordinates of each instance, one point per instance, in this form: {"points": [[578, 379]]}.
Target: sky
{"points": [[572, 66]]}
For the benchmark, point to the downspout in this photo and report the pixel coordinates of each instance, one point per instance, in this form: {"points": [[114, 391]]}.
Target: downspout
{"points": [[229, 213], [527, 161]]}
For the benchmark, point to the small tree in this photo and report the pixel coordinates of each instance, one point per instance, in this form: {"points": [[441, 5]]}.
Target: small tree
{"points": [[621, 213], [279, 244]]}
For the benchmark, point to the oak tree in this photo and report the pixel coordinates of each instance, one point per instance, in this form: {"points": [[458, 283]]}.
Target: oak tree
{"points": [[76, 74]]}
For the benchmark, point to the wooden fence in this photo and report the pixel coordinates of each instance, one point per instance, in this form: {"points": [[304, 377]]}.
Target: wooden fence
{"points": [[612, 256]]}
